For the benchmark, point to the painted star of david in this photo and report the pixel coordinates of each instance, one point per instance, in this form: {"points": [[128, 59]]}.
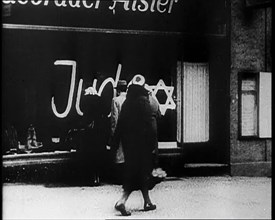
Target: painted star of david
{"points": [[169, 104]]}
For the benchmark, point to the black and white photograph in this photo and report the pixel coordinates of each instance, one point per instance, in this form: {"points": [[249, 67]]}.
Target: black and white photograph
{"points": [[136, 109]]}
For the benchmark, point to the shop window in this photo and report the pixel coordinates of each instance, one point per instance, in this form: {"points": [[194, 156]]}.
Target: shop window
{"points": [[255, 105], [193, 102]]}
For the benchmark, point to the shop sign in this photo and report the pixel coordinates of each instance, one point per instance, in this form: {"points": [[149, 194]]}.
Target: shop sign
{"points": [[158, 15], [160, 6], [178, 16]]}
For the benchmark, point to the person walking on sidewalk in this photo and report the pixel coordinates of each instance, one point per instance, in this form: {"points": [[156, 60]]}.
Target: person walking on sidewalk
{"points": [[92, 149], [117, 102], [137, 131]]}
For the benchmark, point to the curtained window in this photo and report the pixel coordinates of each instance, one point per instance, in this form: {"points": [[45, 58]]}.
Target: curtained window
{"points": [[193, 102]]}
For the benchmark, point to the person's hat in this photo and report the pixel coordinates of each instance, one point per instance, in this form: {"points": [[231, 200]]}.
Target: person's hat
{"points": [[138, 80], [121, 83]]}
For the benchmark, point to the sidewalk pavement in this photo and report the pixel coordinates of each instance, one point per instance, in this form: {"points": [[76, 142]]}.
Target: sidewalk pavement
{"points": [[184, 198]]}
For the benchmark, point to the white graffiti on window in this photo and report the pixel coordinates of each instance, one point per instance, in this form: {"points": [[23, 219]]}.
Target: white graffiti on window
{"points": [[169, 104]]}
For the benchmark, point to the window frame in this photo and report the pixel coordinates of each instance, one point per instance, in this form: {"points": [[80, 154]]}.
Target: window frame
{"points": [[241, 77]]}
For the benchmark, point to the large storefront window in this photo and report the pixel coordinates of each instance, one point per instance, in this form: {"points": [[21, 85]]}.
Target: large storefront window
{"points": [[56, 68]]}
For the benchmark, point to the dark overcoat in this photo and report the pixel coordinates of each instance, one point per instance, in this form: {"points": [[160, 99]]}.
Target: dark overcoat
{"points": [[137, 130], [92, 150]]}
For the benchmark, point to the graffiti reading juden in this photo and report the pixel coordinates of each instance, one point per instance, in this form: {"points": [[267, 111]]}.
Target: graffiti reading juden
{"points": [[169, 104]]}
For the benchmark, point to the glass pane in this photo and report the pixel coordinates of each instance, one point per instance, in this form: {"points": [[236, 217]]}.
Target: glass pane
{"points": [[249, 84], [195, 103], [249, 115]]}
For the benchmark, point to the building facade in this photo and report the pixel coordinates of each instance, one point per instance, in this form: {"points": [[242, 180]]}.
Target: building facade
{"points": [[251, 39], [207, 63]]}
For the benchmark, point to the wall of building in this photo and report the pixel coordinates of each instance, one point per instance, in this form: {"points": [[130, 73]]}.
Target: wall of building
{"points": [[250, 50]]}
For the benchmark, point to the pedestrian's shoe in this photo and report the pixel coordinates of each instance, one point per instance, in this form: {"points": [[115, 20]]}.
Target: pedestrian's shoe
{"points": [[122, 210], [149, 207]]}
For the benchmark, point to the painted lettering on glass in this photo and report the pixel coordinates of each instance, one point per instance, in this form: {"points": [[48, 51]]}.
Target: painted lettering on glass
{"points": [[169, 104]]}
